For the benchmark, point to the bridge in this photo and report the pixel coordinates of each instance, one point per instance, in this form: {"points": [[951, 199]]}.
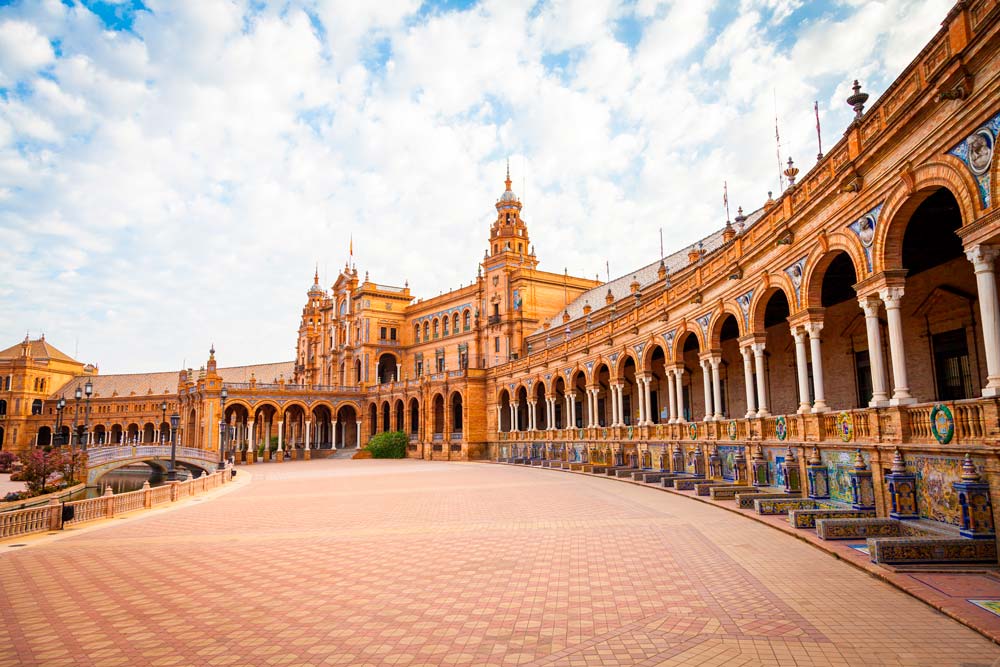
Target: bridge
{"points": [[102, 460]]}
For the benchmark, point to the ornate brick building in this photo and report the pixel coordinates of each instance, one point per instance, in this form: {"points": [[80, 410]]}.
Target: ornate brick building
{"points": [[857, 311]]}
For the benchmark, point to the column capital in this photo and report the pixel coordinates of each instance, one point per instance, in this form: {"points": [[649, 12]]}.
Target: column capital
{"points": [[983, 257], [799, 333], [878, 281], [871, 304], [751, 338], [813, 328], [758, 348], [892, 296]]}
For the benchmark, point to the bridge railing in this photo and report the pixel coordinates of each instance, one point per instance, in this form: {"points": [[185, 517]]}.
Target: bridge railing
{"points": [[99, 455], [50, 517]]}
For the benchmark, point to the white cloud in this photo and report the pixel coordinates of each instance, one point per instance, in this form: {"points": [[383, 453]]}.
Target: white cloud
{"points": [[173, 185]]}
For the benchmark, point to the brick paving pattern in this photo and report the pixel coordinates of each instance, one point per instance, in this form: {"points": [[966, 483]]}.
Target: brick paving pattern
{"points": [[343, 562]]}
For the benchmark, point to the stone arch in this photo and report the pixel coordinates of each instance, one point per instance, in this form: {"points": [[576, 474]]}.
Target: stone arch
{"points": [[816, 268], [623, 357], [322, 404], [456, 417], [531, 383], [595, 370], [647, 353], [232, 402], [438, 413], [777, 283], [949, 173], [718, 319], [683, 332], [265, 404]]}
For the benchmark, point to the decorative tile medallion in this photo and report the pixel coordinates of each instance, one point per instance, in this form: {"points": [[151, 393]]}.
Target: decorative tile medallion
{"points": [[781, 427], [976, 152], [992, 606], [731, 429], [942, 424], [845, 426], [693, 430], [864, 229]]}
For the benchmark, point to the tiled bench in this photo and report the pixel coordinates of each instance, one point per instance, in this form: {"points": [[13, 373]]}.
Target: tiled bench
{"points": [[806, 518], [598, 469], [705, 488], [625, 472], [773, 506], [578, 467], [745, 501], [650, 476], [729, 492], [687, 483], [921, 550], [537, 462], [669, 480], [859, 529]]}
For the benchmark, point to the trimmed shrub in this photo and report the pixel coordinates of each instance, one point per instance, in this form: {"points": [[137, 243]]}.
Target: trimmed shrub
{"points": [[388, 445]]}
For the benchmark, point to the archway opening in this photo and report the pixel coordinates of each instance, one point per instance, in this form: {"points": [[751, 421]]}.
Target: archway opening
{"points": [[386, 368]]}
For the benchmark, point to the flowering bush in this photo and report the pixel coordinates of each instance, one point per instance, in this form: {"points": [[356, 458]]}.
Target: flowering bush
{"points": [[6, 461], [37, 467]]}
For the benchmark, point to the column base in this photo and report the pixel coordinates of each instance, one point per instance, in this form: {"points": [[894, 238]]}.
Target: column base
{"points": [[279, 456], [804, 409], [751, 415], [990, 391], [903, 400], [761, 414], [820, 407], [307, 455], [878, 401]]}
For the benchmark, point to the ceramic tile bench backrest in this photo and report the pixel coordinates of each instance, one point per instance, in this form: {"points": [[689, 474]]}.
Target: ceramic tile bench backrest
{"points": [[919, 550], [806, 518], [729, 492], [771, 506], [746, 500]]}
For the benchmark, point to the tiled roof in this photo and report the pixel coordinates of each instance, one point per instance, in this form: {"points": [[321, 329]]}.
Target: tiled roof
{"points": [[40, 349], [142, 384], [647, 275]]}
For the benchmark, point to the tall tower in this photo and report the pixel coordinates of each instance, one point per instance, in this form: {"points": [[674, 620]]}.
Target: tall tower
{"points": [[508, 234]]}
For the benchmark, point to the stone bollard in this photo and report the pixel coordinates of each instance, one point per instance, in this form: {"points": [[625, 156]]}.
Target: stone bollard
{"points": [[306, 456], [173, 491], [55, 515], [109, 502], [147, 495], [249, 458]]}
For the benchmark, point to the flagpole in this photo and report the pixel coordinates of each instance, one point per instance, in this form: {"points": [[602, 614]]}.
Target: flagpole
{"points": [[819, 136]]}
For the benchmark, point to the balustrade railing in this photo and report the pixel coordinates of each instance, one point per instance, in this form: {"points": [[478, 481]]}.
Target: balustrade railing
{"points": [[50, 517]]}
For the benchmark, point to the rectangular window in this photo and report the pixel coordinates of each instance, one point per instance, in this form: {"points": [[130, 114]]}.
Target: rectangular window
{"points": [[392, 333], [951, 365], [420, 368], [496, 344], [863, 375]]}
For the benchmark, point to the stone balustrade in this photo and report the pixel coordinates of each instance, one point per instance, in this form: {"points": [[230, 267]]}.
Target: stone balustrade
{"points": [[44, 518]]}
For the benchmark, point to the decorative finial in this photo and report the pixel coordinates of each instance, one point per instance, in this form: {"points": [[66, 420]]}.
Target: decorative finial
{"points": [[859, 460], [366, 276], [316, 275], [507, 182], [857, 100], [814, 458], [211, 351], [969, 472], [898, 465], [790, 455], [791, 172]]}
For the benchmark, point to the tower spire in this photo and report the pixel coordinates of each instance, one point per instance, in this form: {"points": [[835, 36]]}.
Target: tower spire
{"points": [[508, 181]]}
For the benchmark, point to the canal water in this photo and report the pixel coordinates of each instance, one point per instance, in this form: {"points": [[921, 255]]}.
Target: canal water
{"points": [[129, 478]]}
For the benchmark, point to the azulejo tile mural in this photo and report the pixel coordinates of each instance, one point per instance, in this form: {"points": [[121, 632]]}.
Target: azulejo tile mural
{"points": [[936, 498], [775, 457], [839, 464], [727, 457]]}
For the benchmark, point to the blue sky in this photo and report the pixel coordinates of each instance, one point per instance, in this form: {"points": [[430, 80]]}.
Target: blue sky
{"points": [[171, 171]]}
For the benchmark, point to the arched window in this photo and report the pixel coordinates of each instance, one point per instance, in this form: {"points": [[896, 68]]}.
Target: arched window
{"points": [[454, 324], [444, 325], [36, 406], [435, 325], [467, 320], [416, 333], [3, 406]]}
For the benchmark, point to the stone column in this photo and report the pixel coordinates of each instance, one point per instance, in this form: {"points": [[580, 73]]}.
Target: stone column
{"points": [[747, 353], [892, 297], [647, 398], [640, 394], [716, 360], [513, 417], [281, 431], [983, 258], [871, 305], [531, 415], [816, 348], [801, 365], [308, 422], [357, 434], [671, 401], [594, 420], [706, 382], [679, 377], [758, 357]]}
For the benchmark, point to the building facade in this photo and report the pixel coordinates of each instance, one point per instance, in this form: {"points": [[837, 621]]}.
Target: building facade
{"points": [[855, 314]]}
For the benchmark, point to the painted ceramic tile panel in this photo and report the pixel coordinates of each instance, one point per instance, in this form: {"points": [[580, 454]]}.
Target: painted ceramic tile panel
{"points": [[936, 498], [838, 465], [727, 455], [775, 457]]}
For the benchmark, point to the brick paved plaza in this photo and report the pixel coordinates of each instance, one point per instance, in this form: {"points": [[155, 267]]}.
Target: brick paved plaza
{"points": [[419, 563]]}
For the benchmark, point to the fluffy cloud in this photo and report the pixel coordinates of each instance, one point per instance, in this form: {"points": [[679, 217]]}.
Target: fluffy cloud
{"points": [[170, 172]]}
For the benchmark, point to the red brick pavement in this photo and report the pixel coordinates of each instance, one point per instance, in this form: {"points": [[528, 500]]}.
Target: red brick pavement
{"points": [[339, 562]]}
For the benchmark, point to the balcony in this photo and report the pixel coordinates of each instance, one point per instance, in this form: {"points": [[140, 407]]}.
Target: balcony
{"points": [[494, 319]]}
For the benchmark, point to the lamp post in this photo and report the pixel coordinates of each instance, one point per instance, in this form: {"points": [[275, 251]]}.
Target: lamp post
{"points": [[88, 390], [175, 420], [163, 418], [78, 394], [222, 429], [60, 405]]}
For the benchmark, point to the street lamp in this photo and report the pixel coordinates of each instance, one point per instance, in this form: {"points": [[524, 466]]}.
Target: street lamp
{"points": [[222, 430], [175, 421], [78, 394], [88, 390], [60, 405], [163, 418]]}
